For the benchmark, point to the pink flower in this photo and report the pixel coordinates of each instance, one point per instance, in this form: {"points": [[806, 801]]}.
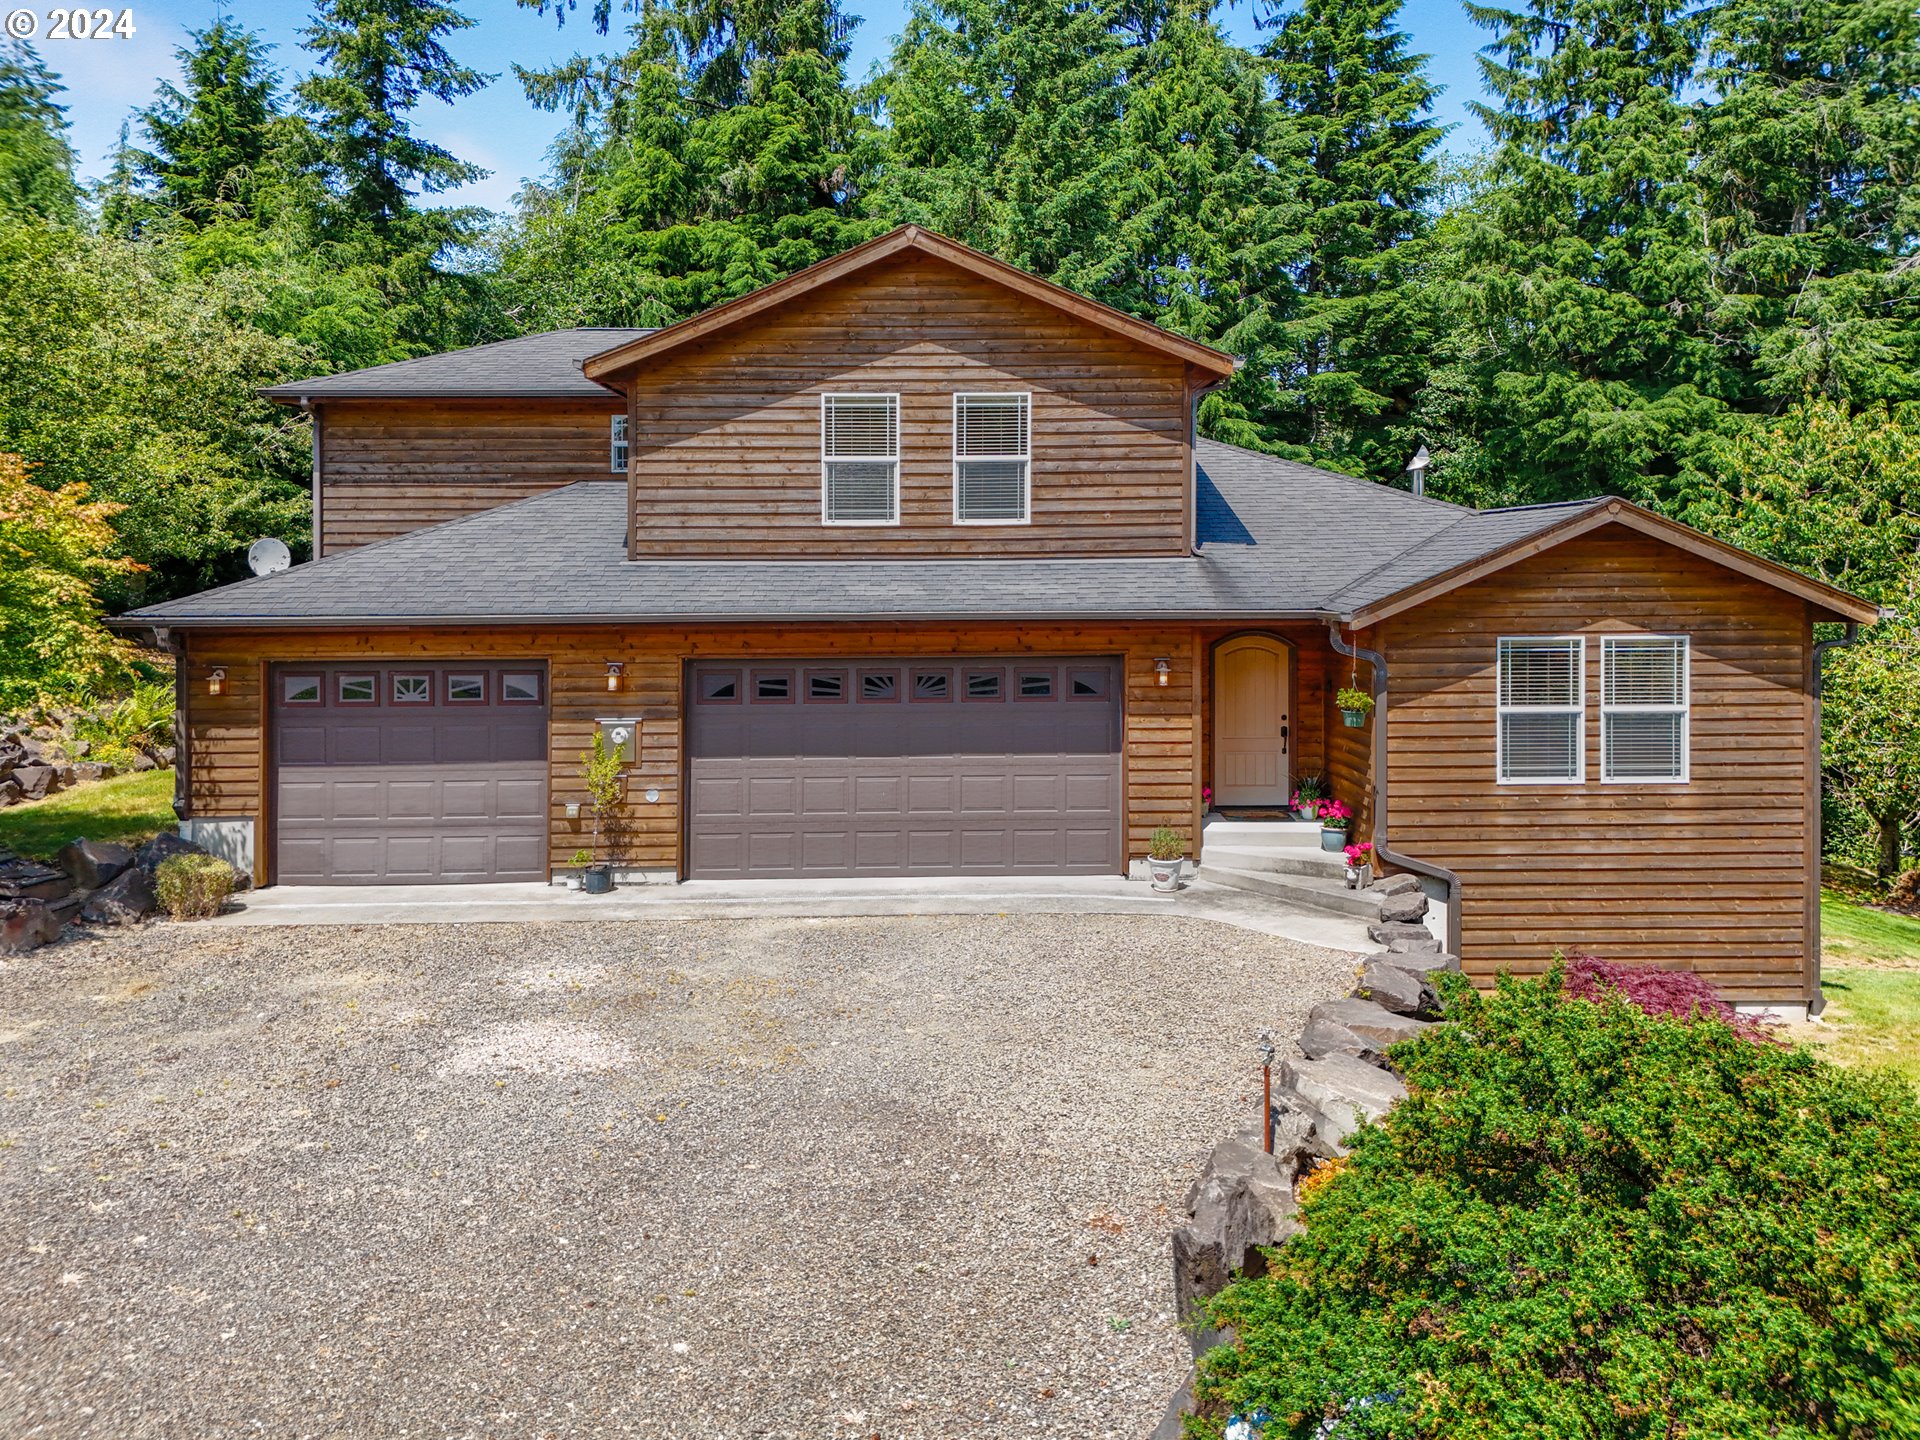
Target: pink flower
{"points": [[1333, 810], [1360, 854]]}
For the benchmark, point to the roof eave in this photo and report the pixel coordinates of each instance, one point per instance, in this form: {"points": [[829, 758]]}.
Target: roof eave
{"points": [[136, 620]]}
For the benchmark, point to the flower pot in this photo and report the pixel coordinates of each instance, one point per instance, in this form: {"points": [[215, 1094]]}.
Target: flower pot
{"points": [[1306, 812], [597, 880], [572, 882], [1359, 877], [1166, 873], [1354, 718], [1332, 839]]}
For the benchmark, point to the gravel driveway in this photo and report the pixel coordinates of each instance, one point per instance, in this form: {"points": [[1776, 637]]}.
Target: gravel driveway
{"points": [[807, 1178]]}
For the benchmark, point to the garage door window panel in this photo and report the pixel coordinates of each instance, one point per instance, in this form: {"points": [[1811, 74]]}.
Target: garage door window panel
{"points": [[985, 685], [357, 689], [773, 687], [1034, 685], [409, 689], [719, 687], [879, 687], [301, 690], [467, 688], [520, 687], [932, 687], [826, 687], [1087, 685]]}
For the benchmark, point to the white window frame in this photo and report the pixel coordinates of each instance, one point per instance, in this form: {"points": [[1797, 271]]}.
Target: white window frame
{"points": [[1684, 710], [826, 459], [1577, 708], [619, 446], [1026, 458]]}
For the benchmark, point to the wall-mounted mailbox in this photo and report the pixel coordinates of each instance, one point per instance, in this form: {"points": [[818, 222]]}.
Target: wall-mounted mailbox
{"points": [[622, 737]]}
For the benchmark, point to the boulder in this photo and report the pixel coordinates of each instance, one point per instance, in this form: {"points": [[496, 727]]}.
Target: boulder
{"points": [[9, 793], [36, 781], [165, 755], [1403, 906], [1359, 1028], [1394, 884], [1400, 936], [161, 847], [1173, 1420], [1242, 1201], [23, 879], [128, 898], [143, 761], [1337, 1093], [92, 863], [89, 772], [1401, 991], [27, 925], [1424, 963]]}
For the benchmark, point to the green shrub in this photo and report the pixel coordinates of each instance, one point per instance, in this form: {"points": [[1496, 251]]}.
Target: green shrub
{"points": [[1589, 1221], [193, 887], [140, 720]]}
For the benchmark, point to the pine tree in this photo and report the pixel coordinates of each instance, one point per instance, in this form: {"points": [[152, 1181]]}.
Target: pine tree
{"points": [[36, 162], [379, 59], [211, 140], [1361, 340], [1586, 290]]}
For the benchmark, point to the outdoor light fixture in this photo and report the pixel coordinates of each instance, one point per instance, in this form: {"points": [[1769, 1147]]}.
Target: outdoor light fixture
{"points": [[614, 671], [1162, 670], [216, 681]]}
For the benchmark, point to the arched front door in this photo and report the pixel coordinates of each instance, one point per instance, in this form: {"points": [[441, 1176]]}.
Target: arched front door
{"points": [[1251, 722]]}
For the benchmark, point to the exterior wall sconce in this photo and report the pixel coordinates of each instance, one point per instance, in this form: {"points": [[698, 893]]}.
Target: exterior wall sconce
{"points": [[1161, 670], [217, 681], [614, 671]]}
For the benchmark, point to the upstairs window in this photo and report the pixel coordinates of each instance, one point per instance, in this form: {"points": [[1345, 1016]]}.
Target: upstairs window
{"points": [[991, 459], [617, 451], [860, 459], [1542, 699], [1644, 699]]}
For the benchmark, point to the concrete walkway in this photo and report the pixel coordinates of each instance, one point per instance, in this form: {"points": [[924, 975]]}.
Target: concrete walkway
{"points": [[756, 899]]}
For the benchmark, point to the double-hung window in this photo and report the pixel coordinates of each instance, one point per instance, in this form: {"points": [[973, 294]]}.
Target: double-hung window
{"points": [[860, 459], [617, 451], [1542, 700], [992, 463], [1644, 695]]}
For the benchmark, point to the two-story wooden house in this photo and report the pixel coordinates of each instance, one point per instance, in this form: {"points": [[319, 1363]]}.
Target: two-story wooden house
{"points": [[912, 564]]}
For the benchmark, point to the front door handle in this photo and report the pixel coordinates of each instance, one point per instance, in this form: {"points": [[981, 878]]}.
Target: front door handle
{"points": [[1285, 731]]}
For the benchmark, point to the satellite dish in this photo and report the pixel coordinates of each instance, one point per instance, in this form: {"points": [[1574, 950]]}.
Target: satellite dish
{"points": [[268, 556]]}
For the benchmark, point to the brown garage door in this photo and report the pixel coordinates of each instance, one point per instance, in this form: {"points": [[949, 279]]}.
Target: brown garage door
{"points": [[912, 767], [410, 774]]}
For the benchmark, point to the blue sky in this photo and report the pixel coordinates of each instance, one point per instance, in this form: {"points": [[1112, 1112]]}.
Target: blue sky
{"points": [[497, 128]]}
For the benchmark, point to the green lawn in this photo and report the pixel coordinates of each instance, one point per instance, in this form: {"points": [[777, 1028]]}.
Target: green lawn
{"points": [[1871, 975], [127, 808]]}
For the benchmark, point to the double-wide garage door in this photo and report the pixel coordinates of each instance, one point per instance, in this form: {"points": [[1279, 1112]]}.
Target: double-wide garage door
{"points": [[910, 767], [410, 774]]}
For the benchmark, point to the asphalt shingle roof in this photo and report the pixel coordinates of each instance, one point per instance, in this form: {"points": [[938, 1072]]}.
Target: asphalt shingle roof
{"points": [[1275, 538], [546, 366]]}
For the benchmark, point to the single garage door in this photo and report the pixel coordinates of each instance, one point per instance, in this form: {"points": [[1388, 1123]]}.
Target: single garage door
{"points": [[913, 767], [410, 774]]}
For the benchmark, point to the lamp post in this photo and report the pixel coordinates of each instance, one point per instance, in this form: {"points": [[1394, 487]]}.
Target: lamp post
{"points": [[1266, 1091]]}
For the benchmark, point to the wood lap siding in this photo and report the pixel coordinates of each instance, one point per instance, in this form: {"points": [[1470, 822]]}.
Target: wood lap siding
{"points": [[1712, 875], [227, 748], [727, 430], [393, 466]]}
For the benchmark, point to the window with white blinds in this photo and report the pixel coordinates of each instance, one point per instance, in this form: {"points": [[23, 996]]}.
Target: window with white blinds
{"points": [[991, 458], [1644, 699], [617, 445], [1541, 703], [860, 459]]}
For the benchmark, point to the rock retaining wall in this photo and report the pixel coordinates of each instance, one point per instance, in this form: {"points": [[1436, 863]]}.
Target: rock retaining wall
{"points": [[88, 882], [1246, 1199]]}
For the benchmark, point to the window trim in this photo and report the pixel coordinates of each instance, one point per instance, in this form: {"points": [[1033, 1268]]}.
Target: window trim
{"points": [[756, 674], [738, 679], [1026, 459], [485, 696], [1577, 709], [826, 509], [539, 687], [807, 697], [1684, 710], [340, 680], [290, 679], [619, 444]]}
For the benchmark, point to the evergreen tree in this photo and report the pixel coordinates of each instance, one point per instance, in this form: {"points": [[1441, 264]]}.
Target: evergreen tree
{"points": [[379, 59], [211, 140], [1810, 151], [36, 162], [719, 151], [1586, 287], [1361, 341]]}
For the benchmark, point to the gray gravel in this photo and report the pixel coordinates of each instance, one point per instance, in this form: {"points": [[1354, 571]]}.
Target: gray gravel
{"points": [[904, 1177]]}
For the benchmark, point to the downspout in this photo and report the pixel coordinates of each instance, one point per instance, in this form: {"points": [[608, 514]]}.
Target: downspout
{"points": [[1817, 1000], [1377, 784], [175, 645], [313, 421]]}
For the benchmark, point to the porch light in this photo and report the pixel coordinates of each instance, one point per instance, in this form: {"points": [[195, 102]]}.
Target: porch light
{"points": [[614, 671], [217, 681], [1161, 670]]}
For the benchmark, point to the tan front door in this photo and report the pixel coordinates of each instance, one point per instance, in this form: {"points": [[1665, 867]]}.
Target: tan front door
{"points": [[1250, 722]]}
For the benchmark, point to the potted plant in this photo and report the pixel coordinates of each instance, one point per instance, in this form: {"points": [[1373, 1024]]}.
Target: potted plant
{"points": [[1354, 706], [603, 772], [1165, 851], [1360, 865], [1307, 796], [1335, 820], [582, 858]]}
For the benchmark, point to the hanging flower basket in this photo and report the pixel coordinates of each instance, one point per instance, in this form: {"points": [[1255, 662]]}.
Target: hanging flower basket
{"points": [[1355, 705]]}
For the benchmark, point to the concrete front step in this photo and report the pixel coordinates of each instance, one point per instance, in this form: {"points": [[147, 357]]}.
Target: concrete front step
{"points": [[1311, 892], [1275, 859], [1289, 834]]}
